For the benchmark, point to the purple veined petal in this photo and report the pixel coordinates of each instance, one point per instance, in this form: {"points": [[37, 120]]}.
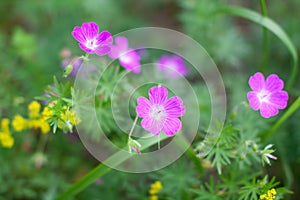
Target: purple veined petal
{"points": [[253, 100], [174, 107], [274, 83], [268, 110], [86, 49], [102, 50], [257, 81], [90, 30], [143, 107], [121, 43], [279, 99], [171, 126], [152, 125], [158, 94], [78, 35], [104, 37]]}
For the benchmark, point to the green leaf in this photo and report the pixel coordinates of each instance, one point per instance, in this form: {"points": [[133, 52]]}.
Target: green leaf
{"points": [[272, 27]]}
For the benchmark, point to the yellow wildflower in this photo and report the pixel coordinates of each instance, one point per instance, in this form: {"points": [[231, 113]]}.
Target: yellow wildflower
{"points": [[154, 197], [19, 123], [6, 140], [154, 189], [44, 126], [70, 116], [270, 195], [34, 109], [47, 112], [5, 125]]}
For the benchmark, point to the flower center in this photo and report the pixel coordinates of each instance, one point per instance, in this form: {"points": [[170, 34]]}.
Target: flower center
{"points": [[157, 112], [263, 96], [125, 58], [91, 44]]}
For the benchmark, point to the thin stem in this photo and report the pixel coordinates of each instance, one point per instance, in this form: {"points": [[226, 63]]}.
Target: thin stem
{"points": [[266, 38], [295, 106], [132, 128]]}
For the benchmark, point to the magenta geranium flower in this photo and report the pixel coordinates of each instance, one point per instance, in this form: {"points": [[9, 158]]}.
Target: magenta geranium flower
{"points": [[267, 95], [173, 66], [89, 39], [159, 113], [128, 58]]}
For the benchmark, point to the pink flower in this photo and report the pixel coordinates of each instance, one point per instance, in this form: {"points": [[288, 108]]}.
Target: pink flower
{"points": [[173, 66], [267, 96], [90, 41], [128, 58], [159, 113]]}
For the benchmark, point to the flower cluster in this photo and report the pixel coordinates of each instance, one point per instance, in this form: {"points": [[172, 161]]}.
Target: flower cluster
{"points": [[270, 195], [101, 44], [67, 119], [6, 139], [36, 120], [154, 189]]}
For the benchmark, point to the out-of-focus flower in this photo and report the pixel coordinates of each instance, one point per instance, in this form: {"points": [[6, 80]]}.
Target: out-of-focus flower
{"points": [[154, 189], [39, 159], [128, 58], [159, 113], [270, 195], [90, 41], [19, 123], [267, 96], [6, 140], [34, 109], [173, 66]]}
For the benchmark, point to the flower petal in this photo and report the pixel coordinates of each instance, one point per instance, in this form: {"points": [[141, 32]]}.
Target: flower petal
{"points": [[104, 38], [121, 43], [253, 100], [151, 125], [279, 99], [143, 107], [174, 107], [130, 61], [77, 34], [86, 49], [257, 81], [158, 94], [268, 110], [274, 83], [90, 30], [171, 126], [102, 50]]}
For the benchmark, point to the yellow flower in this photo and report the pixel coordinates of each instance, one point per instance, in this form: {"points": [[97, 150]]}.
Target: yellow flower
{"points": [[5, 125], [154, 189], [47, 112], [70, 116], [44, 126], [34, 109], [6, 140], [19, 123], [153, 197], [270, 195]]}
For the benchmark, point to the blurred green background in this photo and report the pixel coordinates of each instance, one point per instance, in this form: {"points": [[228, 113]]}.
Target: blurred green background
{"points": [[34, 32]]}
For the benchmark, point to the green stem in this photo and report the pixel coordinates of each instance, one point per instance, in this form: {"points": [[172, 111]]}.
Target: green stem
{"points": [[266, 38], [102, 169], [295, 106]]}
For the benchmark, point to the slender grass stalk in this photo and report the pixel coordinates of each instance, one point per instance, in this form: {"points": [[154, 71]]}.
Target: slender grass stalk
{"points": [[266, 39]]}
